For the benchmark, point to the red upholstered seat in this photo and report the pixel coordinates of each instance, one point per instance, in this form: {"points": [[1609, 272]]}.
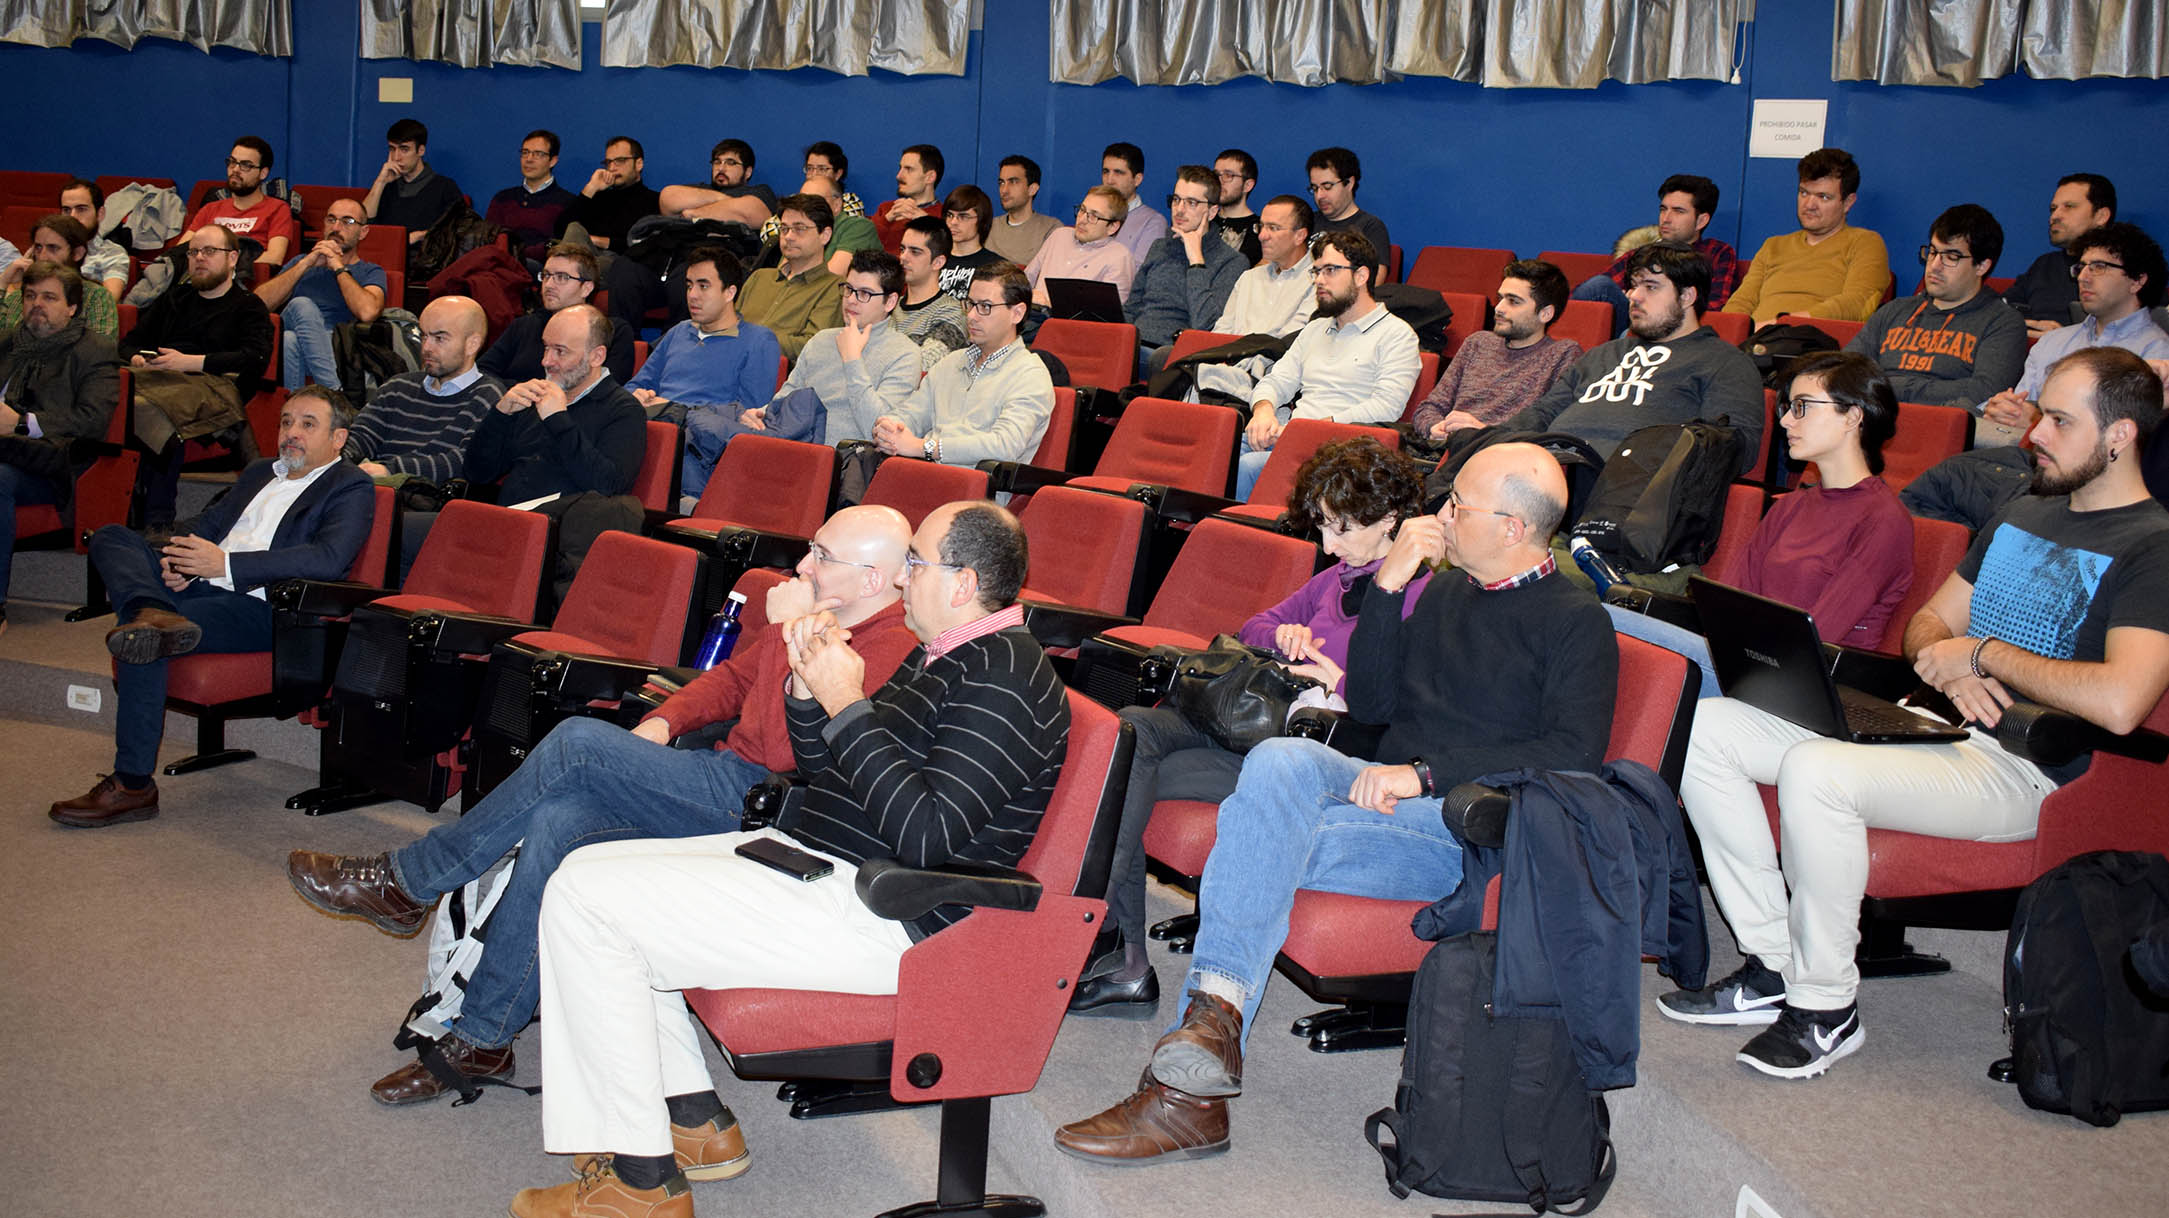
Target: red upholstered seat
{"points": [[916, 488], [1097, 353], [1225, 574], [1838, 329], [485, 558], [1588, 322], [1190, 342], [1084, 548], [212, 678], [775, 486], [1734, 328], [1296, 444], [1577, 267], [656, 484], [628, 600], [1179, 444], [1454, 268], [1472, 312], [102, 491]]}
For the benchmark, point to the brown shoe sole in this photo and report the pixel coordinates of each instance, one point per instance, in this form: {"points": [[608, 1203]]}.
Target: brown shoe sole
{"points": [[381, 922], [99, 821], [143, 644]]}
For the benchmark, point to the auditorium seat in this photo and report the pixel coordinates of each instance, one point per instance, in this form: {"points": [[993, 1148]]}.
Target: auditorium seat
{"points": [[1472, 312], [1097, 353], [1454, 268], [1734, 328], [1427, 369], [1577, 267], [1303, 437], [1839, 330], [1190, 342], [1588, 322], [761, 506], [104, 489]]}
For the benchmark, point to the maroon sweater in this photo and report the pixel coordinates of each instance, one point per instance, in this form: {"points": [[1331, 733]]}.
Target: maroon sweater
{"points": [[1844, 556]]}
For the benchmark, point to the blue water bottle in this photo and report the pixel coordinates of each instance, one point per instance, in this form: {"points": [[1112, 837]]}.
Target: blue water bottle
{"points": [[1593, 564], [722, 636]]}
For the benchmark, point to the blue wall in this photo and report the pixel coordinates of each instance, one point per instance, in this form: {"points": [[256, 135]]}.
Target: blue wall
{"points": [[1445, 163]]}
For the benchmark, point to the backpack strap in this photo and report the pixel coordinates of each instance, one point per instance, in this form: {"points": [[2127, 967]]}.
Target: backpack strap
{"points": [[469, 1086], [1391, 1119]]}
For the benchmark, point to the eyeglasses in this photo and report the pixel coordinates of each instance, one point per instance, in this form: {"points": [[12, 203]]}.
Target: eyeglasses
{"points": [[1083, 211], [2095, 267], [913, 564], [818, 553], [1797, 407], [797, 230], [1929, 253], [1328, 184], [348, 221], [561, 277], [1454, 507], [723, 160], [231, 163], [540, 154], [966, 214], [1320, 270], [984, 308], [209, 251], [610, 162], [863, 295], [1175, 201]]}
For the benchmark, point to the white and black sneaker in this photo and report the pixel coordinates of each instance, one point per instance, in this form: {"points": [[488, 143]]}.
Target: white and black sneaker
{"points": [[1751, 995], [1803, 1044]]}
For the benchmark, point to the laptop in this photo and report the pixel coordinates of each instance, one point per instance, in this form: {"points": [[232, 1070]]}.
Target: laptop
{"points": [[1083, 300], [1769, 656]]}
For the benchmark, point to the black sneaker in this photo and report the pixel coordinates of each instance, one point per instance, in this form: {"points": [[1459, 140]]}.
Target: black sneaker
{"points": [[1803, 1044], [1751, 995]]}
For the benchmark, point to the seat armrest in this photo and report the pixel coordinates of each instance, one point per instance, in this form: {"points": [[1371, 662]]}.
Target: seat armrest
{"points": [[1872, 672], [1018, 478], [1337, 731], [1110, 672], [463, 633], [580, 677], [1056, 625], [323, 597], [1663, 606], [1477, 813], [2050, 737], [902, 893], [735, 545], [1174, 504]]}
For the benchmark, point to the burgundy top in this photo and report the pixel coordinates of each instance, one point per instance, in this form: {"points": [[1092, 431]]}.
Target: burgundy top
{"points": [[1844, 556]]}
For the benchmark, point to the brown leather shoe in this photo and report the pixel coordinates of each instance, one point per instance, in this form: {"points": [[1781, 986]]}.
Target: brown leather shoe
{"points": [[1204, 1056], [414, 1084], [599, 1193], [712, 1150], [349, 886], [1158, 1122], [153, 634], [108, 803]]}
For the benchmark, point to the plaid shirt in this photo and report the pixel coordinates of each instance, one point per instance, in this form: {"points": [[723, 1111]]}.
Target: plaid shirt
{"points": [[1726, 272], [1530, 576]]}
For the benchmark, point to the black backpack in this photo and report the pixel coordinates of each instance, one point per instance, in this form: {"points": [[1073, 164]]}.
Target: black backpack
{"points": [[1661, 498], [2087, 1037], [1425, 311], [1490, 1108], [1774, 347]]}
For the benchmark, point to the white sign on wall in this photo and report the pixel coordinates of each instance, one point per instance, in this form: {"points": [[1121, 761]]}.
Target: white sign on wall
{"points": [[1785, 128]]}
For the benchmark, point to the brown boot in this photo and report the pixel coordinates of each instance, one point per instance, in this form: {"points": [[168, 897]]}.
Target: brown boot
{"points": [[108, 803], [349, 886], [1204, 1056], [152, 634], [598, 1193], [1157, 1122], [715, 1149], [414, 1084]]}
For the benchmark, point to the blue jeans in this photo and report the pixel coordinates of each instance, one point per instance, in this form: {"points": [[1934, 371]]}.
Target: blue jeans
{"points": [[1173, 759], [231, 622], [305, 345], [1248, 466], [707, 430], [1289, 826], [18, 487], [588, 781], [1603, 287], [1670, 637]]}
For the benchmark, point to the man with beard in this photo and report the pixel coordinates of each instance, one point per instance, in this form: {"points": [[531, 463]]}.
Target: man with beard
{"points": [[1355, 362], [730, 192], [1955, 344], [57, 385], [327, 287], [989, 401], [418, 424], [2063, 599], [1501, 370], [1020, 232], [2046, 294], [105, 263], [1685, 203], [407, 192], [301, 516], [1187, 275], [918, 177], [244, 209], [1667, 368], [568, 278], [1237, 173], [199, 351], [614, 197], [1335, 174], [800, 296]]}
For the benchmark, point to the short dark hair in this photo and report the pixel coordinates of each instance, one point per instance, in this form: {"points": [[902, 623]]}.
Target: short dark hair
{"points": [[831, 150], [729, 272], [1249, 162], [732, 144], [1358, 479], [2100, 191], [1984, 237], [1126, 152], [71, 280], [1354, 246], [1678, 263], [1547, 284], [936, 233], [97, 192], [639, 153], [929, 159], [1704, 191], [590, 266], [66, 227], [989, 542], [1306, 216], [1855, 382], [1339, 162], [1027, 164], [882, 265], [1016, 289], [547, 136], [1201, 175], [813, 207], [342, 409], [2125, 387], [1832, 163], [972, 199], [407, 131], [257, 145], [2128, 244]]}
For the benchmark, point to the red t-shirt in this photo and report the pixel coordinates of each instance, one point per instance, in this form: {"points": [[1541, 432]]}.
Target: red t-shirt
{"points": [[269, 218]]}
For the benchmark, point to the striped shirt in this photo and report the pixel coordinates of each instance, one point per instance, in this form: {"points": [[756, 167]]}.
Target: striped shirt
{"points": [[409, 429]]}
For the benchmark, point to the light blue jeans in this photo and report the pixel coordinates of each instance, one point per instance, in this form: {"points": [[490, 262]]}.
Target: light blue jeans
{"points": [[1289, 826], [1670, 637], [305, 346]]}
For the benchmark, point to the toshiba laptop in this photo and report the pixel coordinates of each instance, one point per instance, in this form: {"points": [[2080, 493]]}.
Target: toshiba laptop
{"points": [[1083, 300], [1769, 656]]}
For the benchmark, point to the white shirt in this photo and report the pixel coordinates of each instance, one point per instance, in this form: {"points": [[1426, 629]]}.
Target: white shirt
{"points": [[1349, 371], [259, 521]]}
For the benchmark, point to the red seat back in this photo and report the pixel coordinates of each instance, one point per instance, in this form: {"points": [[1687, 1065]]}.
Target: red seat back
{"points": [[1084, 548], [1734, 328], [1393, 264], [1937, 547], [776, 486], [916, 488], [1925, 435], [1296, 444], [1577, 267], [373, 563], [1744, 505], [316, 200], [487, 558], [1096, 353], [1225, 574], [1427, 366], [1588, 322], [630, 597], [1842, 331], [1180, 444], [1190, 342], [656, 483], [1653, 708], [1054, 446], [1455, 268], [1472, 312]]}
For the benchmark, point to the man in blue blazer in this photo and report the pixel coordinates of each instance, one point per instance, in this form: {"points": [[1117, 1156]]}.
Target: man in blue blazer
{"points": [[302, 516]]}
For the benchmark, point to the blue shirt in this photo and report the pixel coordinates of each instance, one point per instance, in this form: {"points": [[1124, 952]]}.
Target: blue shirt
{"points": [[321, 285], [2136, 333], [725, 369]]}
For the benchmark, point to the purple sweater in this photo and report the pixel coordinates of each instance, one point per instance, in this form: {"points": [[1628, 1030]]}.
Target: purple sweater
{"points": [[1317, 604], [1844, 556]]}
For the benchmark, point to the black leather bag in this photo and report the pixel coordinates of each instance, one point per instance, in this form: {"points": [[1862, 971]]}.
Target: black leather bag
{"points": [[1236, 694]]}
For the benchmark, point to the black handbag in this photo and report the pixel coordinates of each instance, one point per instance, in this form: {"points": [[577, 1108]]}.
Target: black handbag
{"points": [[1236, 694]]}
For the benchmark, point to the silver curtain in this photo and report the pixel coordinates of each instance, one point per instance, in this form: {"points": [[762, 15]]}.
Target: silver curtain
{"points": [[474, 33], [265, 27], [914, 37], [1964, 42], [1572, 44]]}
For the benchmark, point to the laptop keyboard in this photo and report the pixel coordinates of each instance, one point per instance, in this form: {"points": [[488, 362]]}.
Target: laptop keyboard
{"points": [[1866, 715]]}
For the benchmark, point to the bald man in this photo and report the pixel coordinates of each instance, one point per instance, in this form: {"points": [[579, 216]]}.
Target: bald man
{"points": [[417, 425], [589, 781], [1502, 663], [327, 286], [851, 234]]}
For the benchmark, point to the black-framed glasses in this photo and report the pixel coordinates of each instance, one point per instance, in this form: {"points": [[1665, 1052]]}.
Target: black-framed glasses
{"points": [[1947, 257], [1319, 270], [1175, 201], [1797, 407], [1328, 184], [347, 221], [1083, 211], [2094, 267], [611, 162], [231, 163], [560, 277], [983, 308], [797, 230], [863, 295], [819, 553]]}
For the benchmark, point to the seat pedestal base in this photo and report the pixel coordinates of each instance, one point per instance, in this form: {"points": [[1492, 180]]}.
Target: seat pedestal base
{"points": [[204, 761], [1359, 1025], [812, 1098], [997, 1206], [337, 797], [1883, 952]]}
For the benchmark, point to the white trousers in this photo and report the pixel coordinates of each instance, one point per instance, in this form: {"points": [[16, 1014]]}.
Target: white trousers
{"points": [[627, 925], [1829, 794]]}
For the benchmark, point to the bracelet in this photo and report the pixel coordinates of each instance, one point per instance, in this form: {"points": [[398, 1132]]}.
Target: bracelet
{"points": [[1423, 776], [1975, 661]]}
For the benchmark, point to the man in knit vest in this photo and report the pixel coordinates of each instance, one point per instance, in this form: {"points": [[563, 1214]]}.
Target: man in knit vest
{"points": [[990, 401], [1499, 371], [418, 423], [1502, 663]]}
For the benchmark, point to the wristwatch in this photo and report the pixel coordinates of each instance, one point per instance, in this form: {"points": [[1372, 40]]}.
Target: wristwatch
{"points": [[1423, 775], [931, 450]]}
